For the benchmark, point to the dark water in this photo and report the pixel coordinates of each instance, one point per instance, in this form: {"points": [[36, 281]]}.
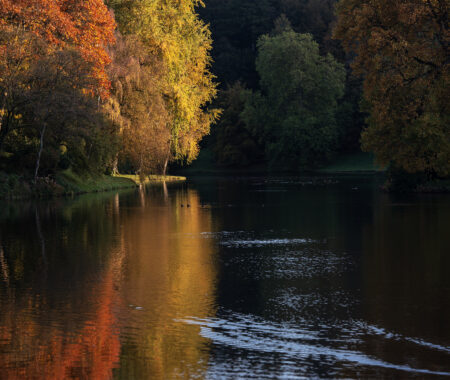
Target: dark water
{"points": [[258, 278]]}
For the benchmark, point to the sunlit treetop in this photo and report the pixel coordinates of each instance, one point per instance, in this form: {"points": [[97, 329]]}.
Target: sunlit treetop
{"points": [[173, 31], [87, 25]]}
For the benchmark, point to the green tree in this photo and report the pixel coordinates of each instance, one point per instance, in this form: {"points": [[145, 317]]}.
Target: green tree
{"points": [[234, 143], [295, 113]]}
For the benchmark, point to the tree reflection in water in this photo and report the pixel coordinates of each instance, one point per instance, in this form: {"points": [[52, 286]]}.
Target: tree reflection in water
{"points": [[120, 271], [170, 274]]}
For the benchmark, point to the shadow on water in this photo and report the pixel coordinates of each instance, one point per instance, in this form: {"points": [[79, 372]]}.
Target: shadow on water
{"points": [[232, 278]]}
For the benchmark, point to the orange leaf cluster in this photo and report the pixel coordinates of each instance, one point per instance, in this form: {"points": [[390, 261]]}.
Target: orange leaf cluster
{"points": [[86, 25]]}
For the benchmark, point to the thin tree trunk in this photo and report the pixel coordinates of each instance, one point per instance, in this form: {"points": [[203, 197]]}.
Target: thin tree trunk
{"points": [[166, 162], [41, 147], [115, 169], [141, 170]]}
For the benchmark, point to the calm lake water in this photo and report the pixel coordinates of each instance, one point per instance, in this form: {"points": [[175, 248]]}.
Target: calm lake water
{"points": [[257, 278]]}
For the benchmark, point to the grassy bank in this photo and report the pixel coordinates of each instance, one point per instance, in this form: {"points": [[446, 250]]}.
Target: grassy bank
{"points": [[79, 184], [13, 186], [151, 178]]}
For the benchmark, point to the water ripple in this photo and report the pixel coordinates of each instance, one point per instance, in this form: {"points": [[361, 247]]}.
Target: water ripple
{"points": [[245, 332]]}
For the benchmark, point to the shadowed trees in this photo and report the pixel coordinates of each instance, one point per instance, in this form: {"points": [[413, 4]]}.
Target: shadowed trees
{"points": [[401, 50], [46, 113]]}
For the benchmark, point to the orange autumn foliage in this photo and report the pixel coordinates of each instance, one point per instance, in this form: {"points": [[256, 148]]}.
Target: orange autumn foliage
{"points": [[87, 25]]}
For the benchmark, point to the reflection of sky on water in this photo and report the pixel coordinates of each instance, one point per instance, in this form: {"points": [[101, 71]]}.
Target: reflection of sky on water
{"points": [[324, 330], [287, 342]]}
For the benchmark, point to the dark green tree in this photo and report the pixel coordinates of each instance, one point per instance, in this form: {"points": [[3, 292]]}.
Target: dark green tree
{"points": [[235, 145], [295, 112]]}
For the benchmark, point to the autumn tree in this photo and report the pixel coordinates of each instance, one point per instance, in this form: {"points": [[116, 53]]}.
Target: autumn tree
{"points": [[85, 25], [137, 105], [294, 115], [46, 113], [172, 31], [18, 54], [52, 75], [402, 51]]}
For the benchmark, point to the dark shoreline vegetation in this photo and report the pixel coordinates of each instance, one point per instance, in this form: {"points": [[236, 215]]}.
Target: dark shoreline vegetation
{"points": [[267, 87]]}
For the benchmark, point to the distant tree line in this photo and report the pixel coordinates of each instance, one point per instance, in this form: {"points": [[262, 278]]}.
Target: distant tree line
{"points": [[303, 80]]}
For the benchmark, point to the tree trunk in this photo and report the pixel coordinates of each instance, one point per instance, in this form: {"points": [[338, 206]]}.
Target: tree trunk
{"points": [[41, 147], [115, 169], [166, 162], [141, 170]]}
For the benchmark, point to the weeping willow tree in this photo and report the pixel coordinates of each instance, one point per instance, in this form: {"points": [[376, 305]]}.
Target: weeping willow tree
{"points": [[172, 31]]}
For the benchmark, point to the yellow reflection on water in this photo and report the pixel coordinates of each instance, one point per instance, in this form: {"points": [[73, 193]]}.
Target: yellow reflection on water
{"points": [[104, 288], [170, 276]]}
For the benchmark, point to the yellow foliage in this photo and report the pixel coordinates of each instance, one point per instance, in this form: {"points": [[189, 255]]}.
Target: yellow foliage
{"points": [[172, 30]]}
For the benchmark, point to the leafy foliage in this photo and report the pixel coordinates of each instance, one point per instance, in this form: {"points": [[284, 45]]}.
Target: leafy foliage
{"points": [[85, 25], [172, 31], [137, 105], [295, 114], [402, 51], [234, 142], [44, 101]]}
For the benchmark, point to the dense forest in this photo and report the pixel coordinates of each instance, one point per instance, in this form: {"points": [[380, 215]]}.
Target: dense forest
{"points": [[102, 87]]}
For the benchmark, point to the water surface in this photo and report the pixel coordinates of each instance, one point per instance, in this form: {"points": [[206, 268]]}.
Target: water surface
{"points": [[322, 277]]}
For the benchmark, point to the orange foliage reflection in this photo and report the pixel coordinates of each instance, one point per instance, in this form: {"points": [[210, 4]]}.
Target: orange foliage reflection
{"points": [[31, 349]]}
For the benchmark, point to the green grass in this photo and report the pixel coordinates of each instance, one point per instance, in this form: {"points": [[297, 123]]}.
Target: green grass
{"points": [[352, 163], [68, 183], [74, 183], [151, 178], [14, 186]]}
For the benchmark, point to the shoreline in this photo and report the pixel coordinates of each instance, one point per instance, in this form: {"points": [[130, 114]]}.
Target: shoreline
{"points": [[67, 184]]}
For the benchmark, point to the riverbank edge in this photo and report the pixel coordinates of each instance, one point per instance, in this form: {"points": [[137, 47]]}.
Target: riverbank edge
{"points": [[67, 183]]}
